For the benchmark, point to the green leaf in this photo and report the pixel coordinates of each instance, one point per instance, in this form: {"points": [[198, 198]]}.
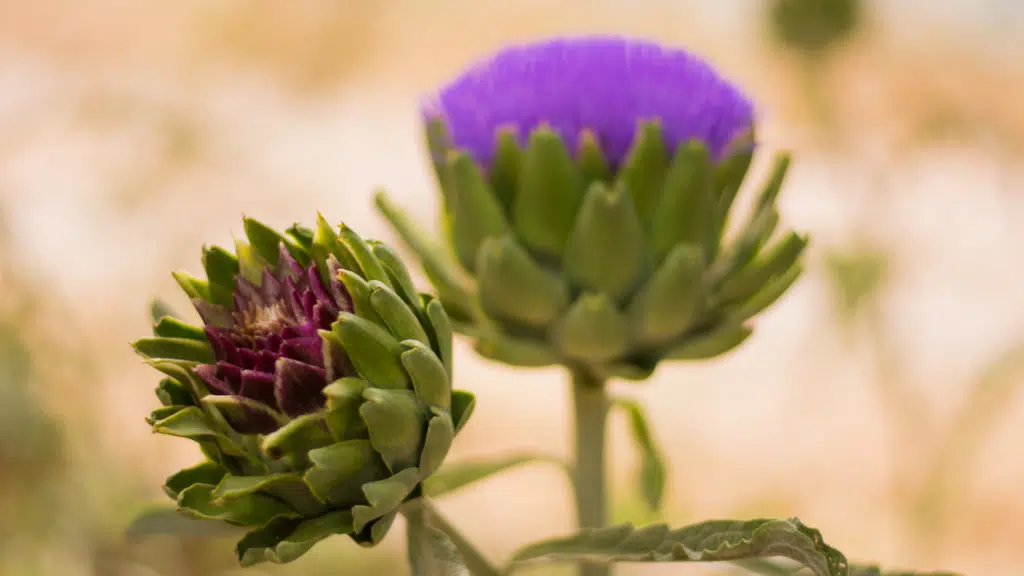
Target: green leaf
{"points": [[265, 240], [202, 473], [549, 194], [451, 283], [384, 496], [710, 344], [167, 521], [430, 551], [874, 570], [375, 354], [712, 541], [285, 540], [174, 349], [593, 329], [514, 287], [652, 475], [476, 213], [396, 314], [643, 171], [394, 420], [463, 404], [452, 477], [169, 327], [606, 251]]}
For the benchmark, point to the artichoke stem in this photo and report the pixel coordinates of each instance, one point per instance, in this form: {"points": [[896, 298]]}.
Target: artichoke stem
{"points": [[591, 405], [422, 511]]}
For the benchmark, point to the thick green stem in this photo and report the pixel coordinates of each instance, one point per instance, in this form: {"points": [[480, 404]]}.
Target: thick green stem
{"points": [[591, 409], [423, 511]]}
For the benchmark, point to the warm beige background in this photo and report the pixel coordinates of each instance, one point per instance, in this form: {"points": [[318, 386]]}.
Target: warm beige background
{"points": [[133, 132]]}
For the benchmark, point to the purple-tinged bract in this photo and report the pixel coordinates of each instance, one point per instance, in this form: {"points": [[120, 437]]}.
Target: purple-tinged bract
{"points": [[267, 347], [602, 84]]}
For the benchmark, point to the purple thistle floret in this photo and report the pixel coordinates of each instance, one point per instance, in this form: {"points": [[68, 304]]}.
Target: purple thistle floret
{"points": [[267, 346], [602, 84]]}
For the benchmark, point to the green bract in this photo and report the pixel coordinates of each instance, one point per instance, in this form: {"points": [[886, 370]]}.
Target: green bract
{"points": [[560, 258], [318, 388]]}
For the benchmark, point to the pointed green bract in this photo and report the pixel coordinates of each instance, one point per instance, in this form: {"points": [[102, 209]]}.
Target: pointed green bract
{"points": [[373, 351], [505, 167], [221, 268], [396, 314], [476, 213], [439, 437], [669, 302], [592, 329], [606, 251], [549, 194], [686, 209], [710, 344], [450, 282], [397, 271], [264, 240], [384, 495], [429, 377], [327, 244], [513, 286], [168, 327], [442, 331], [592, 164], [648, 234], [643, 172], [359, 290], [174, 348], [395, 422]]}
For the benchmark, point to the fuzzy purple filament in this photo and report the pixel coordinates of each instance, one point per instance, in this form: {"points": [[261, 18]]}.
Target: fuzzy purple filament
{"points": [[604, 84]]}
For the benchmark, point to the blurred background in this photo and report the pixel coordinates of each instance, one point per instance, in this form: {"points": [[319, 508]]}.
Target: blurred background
{"points": [[878, 401]]}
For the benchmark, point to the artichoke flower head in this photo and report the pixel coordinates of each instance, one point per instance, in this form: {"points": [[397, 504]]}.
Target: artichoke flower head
{"points": [[318, 388], [587, 184]]}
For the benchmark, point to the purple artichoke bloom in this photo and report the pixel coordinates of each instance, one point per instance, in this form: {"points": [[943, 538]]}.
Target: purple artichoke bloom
{"points": [[605, 85], [267, 347]]}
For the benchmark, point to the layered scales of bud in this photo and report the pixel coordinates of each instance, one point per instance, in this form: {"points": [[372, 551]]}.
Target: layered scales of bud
{"points": [[587, 185], [318, 387]]}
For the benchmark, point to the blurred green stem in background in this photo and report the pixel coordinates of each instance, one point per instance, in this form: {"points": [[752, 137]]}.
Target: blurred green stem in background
{"points": [[423, 512], [591, 405]]}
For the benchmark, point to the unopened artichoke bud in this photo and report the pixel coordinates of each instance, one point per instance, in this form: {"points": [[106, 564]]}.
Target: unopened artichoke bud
{"points": [[318, 387], [587, 186], [812, 26]]}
